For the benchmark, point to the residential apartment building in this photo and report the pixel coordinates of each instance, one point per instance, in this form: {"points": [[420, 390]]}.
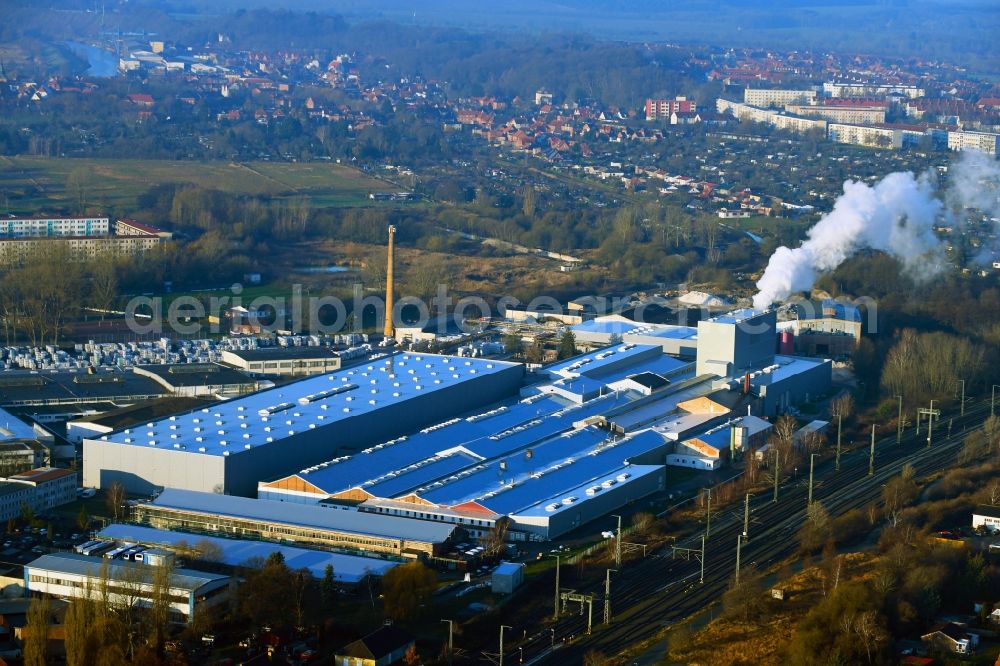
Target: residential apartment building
{"points": [[986, 142], [855, 115], [831, 89], [860, 135], [750, 113], [774, 97], [40, 489], [50, 227], [659, 109], [85, 237]]}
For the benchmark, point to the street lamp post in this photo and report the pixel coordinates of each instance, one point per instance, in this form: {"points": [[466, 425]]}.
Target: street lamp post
{"points": [[618, 541], [502, 627], [450, 630]]}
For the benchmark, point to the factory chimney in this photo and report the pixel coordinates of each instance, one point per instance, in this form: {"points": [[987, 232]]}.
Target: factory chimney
{"points": [[388, 331]]}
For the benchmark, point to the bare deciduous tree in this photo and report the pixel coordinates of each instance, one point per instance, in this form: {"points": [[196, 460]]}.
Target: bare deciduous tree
{"points": [[116, 500]]}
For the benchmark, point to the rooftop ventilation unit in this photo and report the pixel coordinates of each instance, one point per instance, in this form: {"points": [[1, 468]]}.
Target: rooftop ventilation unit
{"points": [[274, 409]]}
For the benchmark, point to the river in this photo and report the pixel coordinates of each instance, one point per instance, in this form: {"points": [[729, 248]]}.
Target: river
{"points": [[102, 63]]}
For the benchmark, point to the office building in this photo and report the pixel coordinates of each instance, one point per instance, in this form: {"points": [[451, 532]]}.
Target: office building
{"points": [[73, 576]]}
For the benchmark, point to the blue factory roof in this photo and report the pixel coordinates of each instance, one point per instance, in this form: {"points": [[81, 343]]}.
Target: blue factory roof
{"points": [[320, 401], [305, 515], [13, 428], [474, 482], [572, 496], [401, 466], [588, 454], [603, 360], [736, 316], [612, 326], [426, 447], [235, 552], [783, 368]]}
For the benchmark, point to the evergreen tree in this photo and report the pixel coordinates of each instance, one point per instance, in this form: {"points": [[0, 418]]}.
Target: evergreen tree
{"points": [[327, 588], [567, 345]]}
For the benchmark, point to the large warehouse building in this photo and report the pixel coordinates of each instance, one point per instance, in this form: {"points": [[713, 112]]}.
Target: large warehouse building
{"points": [[242, 517], [230, 447], [594, 433]]}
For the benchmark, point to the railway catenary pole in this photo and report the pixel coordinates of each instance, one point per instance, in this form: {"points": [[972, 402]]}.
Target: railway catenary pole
{"points": [[739, 544], [871, 454], [840, 419], [930, 425], [701, 580], [812, 465], [607, 595], [555, 607], [777, 465], [708, 514], [961, 411], [746, 516], [618, 542], [899, 421]]}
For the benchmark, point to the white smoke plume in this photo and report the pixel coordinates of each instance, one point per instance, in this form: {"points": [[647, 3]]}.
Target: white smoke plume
{"points": [[974, 182], [895, 216]]}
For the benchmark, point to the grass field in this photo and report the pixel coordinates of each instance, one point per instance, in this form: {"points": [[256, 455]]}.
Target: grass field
{"points": [[32, 183]]}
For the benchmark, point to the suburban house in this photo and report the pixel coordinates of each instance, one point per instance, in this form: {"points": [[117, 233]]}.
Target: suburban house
{"points": [[387, 645], [951, 637]]}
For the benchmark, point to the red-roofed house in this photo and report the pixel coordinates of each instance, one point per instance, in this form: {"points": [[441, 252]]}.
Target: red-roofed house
{"points": [[140, 99]]}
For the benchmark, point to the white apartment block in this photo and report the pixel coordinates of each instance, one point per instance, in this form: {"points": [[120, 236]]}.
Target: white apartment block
{"points": [[768, 97], [859, 135], [831, 89], [48, 227], [795, 124], [748, 113], [86, 237], [986, 142], [854, 115], [13, 250]]}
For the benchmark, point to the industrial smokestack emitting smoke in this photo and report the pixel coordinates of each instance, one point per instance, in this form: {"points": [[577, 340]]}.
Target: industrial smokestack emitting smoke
{"points": [[895, 216], [388, 330]]}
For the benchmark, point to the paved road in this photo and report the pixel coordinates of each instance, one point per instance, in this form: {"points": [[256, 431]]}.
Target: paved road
{"points": [[660, 589]]}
